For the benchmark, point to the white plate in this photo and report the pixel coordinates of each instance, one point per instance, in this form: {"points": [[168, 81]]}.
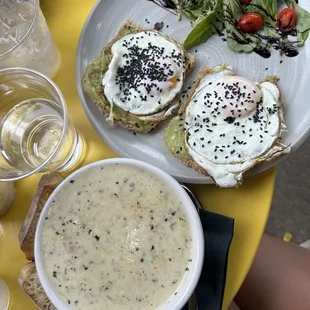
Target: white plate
{"points": [[102, 25]]}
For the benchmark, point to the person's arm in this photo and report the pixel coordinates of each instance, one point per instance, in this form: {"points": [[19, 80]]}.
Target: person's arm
{"points": [[279, 278]]}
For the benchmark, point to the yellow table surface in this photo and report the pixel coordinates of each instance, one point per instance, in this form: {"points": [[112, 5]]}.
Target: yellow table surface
{"points": [[249, 204]]}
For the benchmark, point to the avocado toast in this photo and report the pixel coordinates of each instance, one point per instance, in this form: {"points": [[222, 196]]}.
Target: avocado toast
{"points": [[115, 114], [235, 127]]}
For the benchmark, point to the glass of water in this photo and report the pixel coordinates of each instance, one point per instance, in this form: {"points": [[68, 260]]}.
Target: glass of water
{"points": [[35, 132], [25, 39]]}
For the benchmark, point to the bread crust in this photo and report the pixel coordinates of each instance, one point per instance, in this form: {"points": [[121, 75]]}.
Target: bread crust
{"points": [[30, 283], [46, 186]]}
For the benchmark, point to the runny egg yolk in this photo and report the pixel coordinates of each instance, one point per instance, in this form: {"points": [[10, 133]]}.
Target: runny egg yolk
{"points": [[173, 80], [237, 103]]}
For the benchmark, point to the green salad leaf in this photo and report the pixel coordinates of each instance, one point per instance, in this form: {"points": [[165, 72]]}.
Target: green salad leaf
{"points": [[195, 7], [268, 9], [212, 16], [197, 10], [237, 40], [202, 31], [232, 10], [303, 22], [206, 15]]}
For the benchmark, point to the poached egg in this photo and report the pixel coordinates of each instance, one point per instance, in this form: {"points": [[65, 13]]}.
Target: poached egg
{"points": [[145, 74], [231, 123]]}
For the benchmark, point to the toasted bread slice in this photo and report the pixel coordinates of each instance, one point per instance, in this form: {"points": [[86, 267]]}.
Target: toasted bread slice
{"points": [[31, 285], [92, 83], [7, 192], [175, 135], [46, 186]]}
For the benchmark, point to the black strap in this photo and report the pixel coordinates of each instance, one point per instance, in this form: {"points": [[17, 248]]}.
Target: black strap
{"points": [[218, 233]]}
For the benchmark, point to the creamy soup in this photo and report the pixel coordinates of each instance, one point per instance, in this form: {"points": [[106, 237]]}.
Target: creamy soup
{"points": [[116, 237]]}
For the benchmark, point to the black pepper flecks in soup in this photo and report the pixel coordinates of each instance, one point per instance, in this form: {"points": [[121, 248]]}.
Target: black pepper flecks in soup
{"points": [[116, 237]]}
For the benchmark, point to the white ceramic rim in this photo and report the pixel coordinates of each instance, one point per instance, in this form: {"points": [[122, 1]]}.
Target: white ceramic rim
{"points": [[36, 9], [62, 102], [187, 287]]}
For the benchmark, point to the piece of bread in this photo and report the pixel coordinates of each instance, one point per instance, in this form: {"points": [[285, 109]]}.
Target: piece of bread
{"points": [[7, 194], [92, 84], [31, 285], [175, 135], [46, 186]]}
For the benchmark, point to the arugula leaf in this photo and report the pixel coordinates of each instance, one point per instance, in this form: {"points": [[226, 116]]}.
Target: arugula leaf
{"points": [[198, 9], [193, 14], [198, 5], [201, 32]]}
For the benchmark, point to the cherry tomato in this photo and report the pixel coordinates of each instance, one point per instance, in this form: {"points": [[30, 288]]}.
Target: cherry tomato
{"points": [[286, 20], [251, 22], [245, 1]]}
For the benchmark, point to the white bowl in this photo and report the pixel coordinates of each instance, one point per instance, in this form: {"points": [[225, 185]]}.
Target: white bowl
{"points": [[187, 286]]}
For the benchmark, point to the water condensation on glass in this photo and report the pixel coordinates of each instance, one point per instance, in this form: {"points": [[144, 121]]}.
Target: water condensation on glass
{"points": [[37, 50]]}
